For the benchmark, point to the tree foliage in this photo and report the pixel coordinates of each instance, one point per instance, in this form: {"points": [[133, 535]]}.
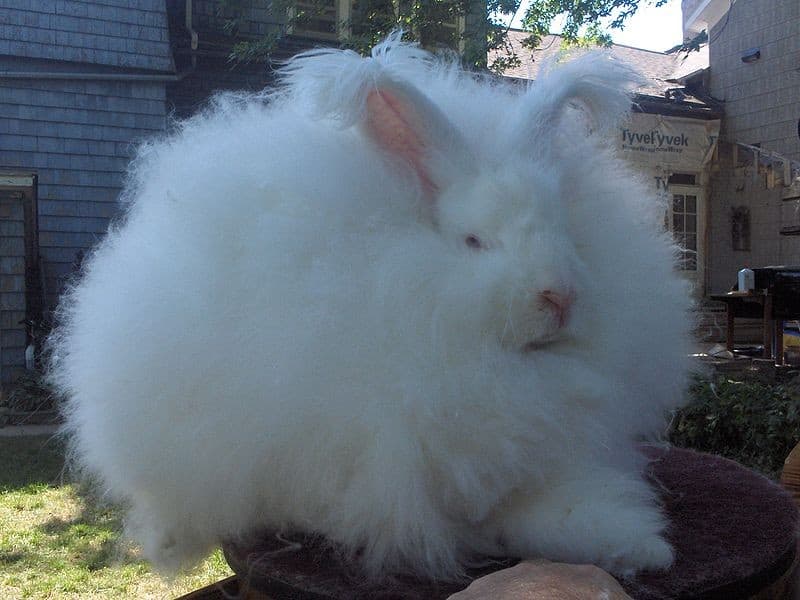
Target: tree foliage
{"points": [[430, 23]]}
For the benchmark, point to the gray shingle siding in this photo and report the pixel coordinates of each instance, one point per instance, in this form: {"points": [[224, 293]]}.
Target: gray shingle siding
{"points": [[86, 81], [81, 202], [71, 130], [12, 288], [762, 105], [79, 138], [13, 337], [102, 33], [85, 88], [11, 228]]}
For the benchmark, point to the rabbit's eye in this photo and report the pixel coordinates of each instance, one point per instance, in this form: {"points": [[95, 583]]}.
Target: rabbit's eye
{"points": [[474, 242]]}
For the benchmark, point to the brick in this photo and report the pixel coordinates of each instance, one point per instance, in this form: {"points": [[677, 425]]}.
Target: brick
{"points": [[12, 246], [59, 255], [77, 9], [11, 228], [19, 143], [68, 239], [13, 338], [12, 210], [12, 283], [12, 301], [12, 357], [95, 201], [94, 225], [12, 265], [10, 319], [49, 144]]}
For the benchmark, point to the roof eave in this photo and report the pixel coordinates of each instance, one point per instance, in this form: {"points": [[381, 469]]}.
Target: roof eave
{"points": [[678, 108]]}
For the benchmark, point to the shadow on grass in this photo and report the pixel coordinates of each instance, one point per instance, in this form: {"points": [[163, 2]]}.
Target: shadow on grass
{"points": [[58, 540], [32, 464], [10, 558], [92, 538]]}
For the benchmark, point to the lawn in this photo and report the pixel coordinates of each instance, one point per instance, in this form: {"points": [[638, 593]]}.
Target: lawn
{"points": [[56, 544]]}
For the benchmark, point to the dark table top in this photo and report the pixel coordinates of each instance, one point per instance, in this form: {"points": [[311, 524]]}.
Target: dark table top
{"points": [[732, 529]]}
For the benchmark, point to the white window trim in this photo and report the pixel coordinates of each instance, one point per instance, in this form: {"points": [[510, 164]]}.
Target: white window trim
{"points": [[696, 277]]}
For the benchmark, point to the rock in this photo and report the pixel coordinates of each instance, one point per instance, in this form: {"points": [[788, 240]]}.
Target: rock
{"points": [[543, 580]]}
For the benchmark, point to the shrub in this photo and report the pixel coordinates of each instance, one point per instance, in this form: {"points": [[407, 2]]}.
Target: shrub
{"points": [[754, 423]]}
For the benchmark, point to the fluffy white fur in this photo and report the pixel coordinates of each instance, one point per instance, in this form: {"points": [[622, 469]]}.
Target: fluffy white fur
{"points": [[289, 329]]}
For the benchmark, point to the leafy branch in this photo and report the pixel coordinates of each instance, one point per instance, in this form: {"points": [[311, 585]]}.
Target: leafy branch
{"points": [[431, 22]]}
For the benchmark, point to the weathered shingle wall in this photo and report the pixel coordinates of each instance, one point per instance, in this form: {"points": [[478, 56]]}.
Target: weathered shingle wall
{"points": [[76, 133], [78, 136], [86, 81], [13, 339], [762, 98], [762, 106], [115, 33]]}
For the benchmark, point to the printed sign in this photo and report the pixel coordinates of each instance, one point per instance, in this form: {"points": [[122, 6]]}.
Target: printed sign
{"points": [[678, 143]]}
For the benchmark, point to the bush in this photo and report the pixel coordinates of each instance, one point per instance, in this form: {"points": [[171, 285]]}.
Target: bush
{"points": [[30, 393], [754, 423], [29, 401]]}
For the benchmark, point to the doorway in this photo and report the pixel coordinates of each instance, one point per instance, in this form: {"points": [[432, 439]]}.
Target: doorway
{"points": [[686, 222]]}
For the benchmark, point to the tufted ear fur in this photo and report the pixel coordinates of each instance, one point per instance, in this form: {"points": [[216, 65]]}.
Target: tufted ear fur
{"points": [[373, 93], [331, 83], [595, 83]]}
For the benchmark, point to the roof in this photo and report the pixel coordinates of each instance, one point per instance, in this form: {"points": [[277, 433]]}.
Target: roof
{"points": [[109, 33], [691, 63], [665, 73]]}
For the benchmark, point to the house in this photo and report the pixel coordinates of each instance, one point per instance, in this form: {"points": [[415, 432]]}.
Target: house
{"points": [[201, 36], [753, 213], [201, 49], [80, 82]]}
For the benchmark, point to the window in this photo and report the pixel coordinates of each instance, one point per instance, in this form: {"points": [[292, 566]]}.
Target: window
{"points": [[740, 228], [684, 229]]}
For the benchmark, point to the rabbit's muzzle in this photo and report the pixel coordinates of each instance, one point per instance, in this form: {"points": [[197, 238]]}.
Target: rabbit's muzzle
{"points": [[559, 303], [542, 320]]}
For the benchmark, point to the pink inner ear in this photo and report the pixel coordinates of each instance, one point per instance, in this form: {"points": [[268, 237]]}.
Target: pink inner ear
{"points": [[396, 127]]}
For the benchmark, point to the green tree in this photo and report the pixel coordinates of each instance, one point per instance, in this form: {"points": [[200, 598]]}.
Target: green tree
{"points": [[430, 23]]}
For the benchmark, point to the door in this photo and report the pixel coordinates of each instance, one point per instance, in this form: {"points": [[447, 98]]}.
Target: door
{"points": [[686, 221], [20, 296]]}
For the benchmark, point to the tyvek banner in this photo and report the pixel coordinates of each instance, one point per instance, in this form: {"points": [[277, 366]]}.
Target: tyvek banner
{"points": [[678, 143]]}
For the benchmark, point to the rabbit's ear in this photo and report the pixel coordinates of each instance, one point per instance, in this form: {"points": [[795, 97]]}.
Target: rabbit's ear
{"points": [[376, 94], [595, 83], [407, 126]]}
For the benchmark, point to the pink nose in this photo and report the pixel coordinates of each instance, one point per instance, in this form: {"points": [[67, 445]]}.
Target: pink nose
{"points": [[559, 303]]}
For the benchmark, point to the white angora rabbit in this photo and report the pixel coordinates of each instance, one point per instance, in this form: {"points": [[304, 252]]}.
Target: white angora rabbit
{"points": [[424, 314]]}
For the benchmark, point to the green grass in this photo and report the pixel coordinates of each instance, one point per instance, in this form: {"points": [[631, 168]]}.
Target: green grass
{"points": [[56, 544]]}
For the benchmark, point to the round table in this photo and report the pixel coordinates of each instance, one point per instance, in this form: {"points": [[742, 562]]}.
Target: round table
{"points": [[734, 534]]}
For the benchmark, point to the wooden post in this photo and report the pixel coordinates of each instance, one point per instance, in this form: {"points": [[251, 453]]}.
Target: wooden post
{"points": [[779, 342], [768, 325], [729, 336]]}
